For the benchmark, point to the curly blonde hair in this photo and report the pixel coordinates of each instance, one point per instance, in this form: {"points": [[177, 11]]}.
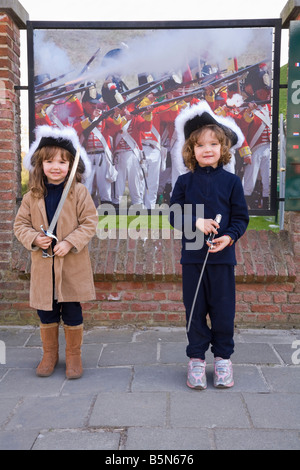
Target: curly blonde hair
{"points": [[188, 148], [37, 178]]}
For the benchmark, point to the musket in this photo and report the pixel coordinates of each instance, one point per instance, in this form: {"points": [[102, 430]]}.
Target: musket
{"points": [[50, 90], [245, 104], [143, 171], [216, 83], [205, 79], [144, 92], [106, 114], [72, 82], [69, 93], [137, 88], [53, 89], [89, 62], [209, 77], [59, 87], [42, 85], [258, 102]]}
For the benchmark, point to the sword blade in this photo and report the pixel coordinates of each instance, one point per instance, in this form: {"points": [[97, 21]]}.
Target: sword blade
{"points": [[65, 193], [218, 219], [196, 293]]}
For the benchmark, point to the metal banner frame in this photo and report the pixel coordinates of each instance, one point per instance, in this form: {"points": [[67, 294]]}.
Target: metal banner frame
{"points": [[292, 188], [91, 41]]}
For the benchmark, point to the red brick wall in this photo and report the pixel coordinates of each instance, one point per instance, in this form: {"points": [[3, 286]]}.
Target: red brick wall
{"points": [[265, 276], [9, 133], [139, 282]]}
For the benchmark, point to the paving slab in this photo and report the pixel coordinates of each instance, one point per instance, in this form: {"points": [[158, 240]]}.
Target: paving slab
{"points": [[24, 382], [14, 336], [256, 439], [107, 335], [114, 379], [276, 410], [130, 409], [51, 412], [168, 438], [22, 357], [254, 353], [282, 379], [214, 409], [128, 354], [288, 354], [18, 440], [77, 440], [7, 406], [159, 378]]}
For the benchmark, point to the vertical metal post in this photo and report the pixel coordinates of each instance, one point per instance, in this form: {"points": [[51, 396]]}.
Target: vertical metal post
{"points": [[282, 163]]}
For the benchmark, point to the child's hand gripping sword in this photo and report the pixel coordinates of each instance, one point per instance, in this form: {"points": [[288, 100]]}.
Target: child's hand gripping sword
{"points": [[210, 241], [49, 232]]}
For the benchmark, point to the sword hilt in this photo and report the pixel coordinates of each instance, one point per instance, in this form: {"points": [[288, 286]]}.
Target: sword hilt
{"points": [[48, 234], [211, 237]]}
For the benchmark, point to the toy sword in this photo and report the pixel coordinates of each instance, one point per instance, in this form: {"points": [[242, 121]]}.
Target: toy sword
{"points": [[210, 241], [50, 230]]}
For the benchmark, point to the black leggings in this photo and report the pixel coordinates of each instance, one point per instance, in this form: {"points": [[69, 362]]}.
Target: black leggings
{"points": [[70, 312]]}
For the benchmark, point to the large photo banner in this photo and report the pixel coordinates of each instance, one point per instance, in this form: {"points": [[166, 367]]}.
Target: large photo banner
{"points": [[121, 87]]}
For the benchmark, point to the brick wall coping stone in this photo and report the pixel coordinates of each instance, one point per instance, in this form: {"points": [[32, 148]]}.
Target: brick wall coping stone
{"points": [[16, 11], [262, 257]]}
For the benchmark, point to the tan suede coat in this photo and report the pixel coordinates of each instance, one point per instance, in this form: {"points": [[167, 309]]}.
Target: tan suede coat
{"points": [[73, 273]]}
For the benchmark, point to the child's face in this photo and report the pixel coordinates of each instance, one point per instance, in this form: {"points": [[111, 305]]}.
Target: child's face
{"points": [[56, 169], [207, 149]]}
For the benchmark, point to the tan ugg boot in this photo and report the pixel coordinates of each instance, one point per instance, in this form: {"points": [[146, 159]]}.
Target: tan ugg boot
{"points": [[74, 336], [49, 337]]}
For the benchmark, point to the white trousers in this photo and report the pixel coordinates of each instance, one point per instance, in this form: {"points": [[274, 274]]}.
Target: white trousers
{"points": [[97, 184], [153, 162], [260, 161], [178, 166], [230, 167], [129, 169]]}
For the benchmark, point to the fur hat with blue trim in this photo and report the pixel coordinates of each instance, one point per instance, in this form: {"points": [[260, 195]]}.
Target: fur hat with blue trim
{"points": [[193, 118], [66, 138]]}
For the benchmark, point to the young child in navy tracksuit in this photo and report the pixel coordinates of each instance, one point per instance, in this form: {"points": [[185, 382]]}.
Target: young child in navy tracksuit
{"points": [[207, 139]]}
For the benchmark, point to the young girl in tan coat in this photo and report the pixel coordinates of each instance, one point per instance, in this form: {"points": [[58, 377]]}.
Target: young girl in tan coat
{"points": [[64, 279]]}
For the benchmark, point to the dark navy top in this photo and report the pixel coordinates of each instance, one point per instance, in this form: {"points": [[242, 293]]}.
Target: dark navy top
{"points": [[220, 192], [52, 198]]}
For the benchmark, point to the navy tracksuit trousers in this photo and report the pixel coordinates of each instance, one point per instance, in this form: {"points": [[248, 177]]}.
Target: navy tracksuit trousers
{"points": [[216, 298]]}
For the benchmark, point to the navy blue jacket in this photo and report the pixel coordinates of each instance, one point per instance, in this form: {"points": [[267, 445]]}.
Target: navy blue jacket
{"points": [[220, 192]]}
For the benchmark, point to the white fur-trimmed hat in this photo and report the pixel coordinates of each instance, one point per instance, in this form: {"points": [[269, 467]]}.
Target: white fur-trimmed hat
{"points": [[66, 138], [200, 115]]}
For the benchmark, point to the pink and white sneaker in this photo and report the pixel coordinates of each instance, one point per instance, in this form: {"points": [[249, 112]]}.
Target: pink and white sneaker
{"points": [[223, 376], [196, 374]]}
